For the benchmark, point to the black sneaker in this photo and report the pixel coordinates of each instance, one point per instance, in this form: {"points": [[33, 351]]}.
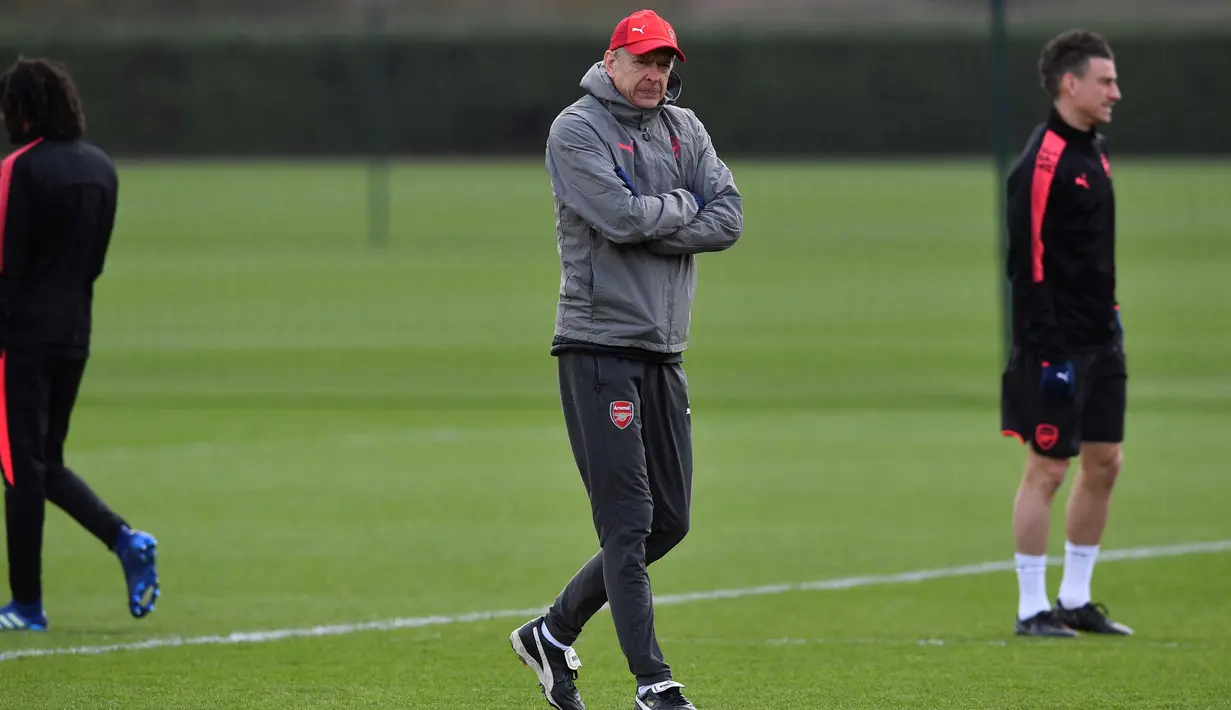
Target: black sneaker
{"points": [[1092, 618], [663, 695], [556, 669], [1044, 623]]}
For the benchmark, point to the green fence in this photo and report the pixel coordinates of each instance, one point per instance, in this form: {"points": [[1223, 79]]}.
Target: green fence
{"points": [[766, 95]]}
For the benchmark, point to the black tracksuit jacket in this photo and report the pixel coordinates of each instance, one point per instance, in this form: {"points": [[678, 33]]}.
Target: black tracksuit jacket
{"points": [[57, 210], [1062, 243]]}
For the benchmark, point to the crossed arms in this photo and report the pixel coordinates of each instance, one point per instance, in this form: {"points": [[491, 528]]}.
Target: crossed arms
{"points": [[586, 180]]}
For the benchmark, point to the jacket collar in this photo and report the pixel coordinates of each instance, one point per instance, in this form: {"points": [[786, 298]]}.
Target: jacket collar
{"points": [[1069, 133]]}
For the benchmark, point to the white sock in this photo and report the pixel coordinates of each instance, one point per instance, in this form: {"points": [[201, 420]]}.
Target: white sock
{"points": [[551, 639], [1078, 570], [1031, 585]]}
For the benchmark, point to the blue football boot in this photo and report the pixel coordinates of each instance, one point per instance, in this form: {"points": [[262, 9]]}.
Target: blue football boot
{"points": [[136, 551], [23, 617]]}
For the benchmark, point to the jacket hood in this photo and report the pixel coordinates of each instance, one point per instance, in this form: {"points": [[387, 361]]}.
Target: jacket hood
{"points": [[597, 82]]}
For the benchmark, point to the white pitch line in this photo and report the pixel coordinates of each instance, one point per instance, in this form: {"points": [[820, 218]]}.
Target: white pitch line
{"points": [[241, 637]]}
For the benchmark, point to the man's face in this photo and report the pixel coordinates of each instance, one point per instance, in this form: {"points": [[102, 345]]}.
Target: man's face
{"points": [[1095, 92], [640, 78]]}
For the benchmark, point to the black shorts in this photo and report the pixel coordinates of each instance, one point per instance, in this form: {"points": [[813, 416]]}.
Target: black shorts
{"points": [[1056, 426]]}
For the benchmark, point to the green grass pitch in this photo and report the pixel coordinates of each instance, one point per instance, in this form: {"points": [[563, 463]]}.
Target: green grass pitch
{"points": [[323, 432]]}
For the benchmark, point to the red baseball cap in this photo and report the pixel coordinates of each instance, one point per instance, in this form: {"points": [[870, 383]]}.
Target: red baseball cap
{"points": [[644, 31]]}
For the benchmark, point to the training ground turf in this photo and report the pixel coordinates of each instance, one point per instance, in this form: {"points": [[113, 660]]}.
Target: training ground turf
{"points": [[323, 432]]}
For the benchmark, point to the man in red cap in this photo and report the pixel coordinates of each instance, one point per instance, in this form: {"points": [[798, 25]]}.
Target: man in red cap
{"points": [[639, 193]]}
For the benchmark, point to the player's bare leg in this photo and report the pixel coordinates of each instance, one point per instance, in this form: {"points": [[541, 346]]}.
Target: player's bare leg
{"points": [[1088, 509], [1041, 479], [1090, 500]]}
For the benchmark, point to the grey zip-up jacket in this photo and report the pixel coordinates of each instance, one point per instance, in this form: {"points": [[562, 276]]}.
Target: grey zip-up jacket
{"points": [[628, 271]]}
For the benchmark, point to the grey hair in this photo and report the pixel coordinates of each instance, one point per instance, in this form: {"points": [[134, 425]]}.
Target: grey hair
{"points": [[621, 53]]}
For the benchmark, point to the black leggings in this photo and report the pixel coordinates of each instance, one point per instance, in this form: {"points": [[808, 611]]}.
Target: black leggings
{"points": [[37, 394]]}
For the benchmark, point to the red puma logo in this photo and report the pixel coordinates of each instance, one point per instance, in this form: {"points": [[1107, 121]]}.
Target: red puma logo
{"points": [[628, 147], [1082, 181]]}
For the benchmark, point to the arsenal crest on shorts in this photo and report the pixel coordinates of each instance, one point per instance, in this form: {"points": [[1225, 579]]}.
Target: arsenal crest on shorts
{"points": [[621, 413], [1046, 435]]}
